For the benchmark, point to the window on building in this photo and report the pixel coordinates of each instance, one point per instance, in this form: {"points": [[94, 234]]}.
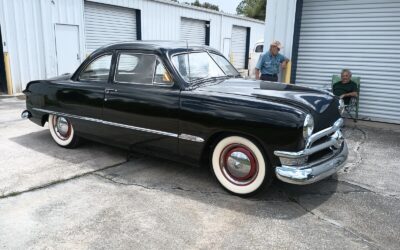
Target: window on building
{"points": [[259, 48], [97, 70]]}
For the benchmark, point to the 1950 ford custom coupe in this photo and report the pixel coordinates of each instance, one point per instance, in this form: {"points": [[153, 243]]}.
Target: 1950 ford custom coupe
{"points": [[189, 103]]}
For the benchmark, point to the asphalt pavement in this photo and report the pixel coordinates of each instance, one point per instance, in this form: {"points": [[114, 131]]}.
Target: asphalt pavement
{"points": [[97, 197]]}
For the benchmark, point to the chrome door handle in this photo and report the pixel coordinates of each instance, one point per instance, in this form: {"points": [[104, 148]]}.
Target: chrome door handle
{"points": [[111, 90]]}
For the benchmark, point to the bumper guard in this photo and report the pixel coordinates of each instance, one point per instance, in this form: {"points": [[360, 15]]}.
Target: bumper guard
{"points": [[296, 170]]}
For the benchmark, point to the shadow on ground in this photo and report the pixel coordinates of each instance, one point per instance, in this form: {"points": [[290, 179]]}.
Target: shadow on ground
{"points": [[42, 142], [195, 183]]}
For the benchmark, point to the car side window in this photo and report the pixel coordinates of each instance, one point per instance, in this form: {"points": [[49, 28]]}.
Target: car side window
{"points": [[135, 68], [97, 70], [259, 48], [161, 75]]}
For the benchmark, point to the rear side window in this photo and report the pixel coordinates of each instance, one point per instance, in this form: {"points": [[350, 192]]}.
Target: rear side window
{"points": [[97, 70], [135, 68], [259, 48]]}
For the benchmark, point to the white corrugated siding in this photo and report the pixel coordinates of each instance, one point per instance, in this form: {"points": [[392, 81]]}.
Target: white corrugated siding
{"points": [[105, 24], [238, 43], [362, 35], [193, 31], [28, 29]]}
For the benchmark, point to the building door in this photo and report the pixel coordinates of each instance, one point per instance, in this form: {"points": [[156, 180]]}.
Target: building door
{"points": [[67, 48], [194, 31], [106, 24], [238, 58], [361, 35]]}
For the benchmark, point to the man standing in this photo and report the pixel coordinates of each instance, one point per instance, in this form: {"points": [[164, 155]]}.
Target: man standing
{"points": [[346, 88], [270, 62]]}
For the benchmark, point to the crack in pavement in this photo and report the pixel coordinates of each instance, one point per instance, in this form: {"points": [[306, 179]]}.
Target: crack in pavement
{"points": [[366, 189], [156, 188], [182, 189], [320, 216], [52, 183]]}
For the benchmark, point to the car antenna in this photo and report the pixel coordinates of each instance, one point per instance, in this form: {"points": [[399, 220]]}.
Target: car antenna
{"points": [[187, 48]]}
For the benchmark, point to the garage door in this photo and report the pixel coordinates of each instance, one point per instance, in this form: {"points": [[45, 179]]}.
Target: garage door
{"points": [[105, 24], [238, 47], [193, 31], [362, 35]]}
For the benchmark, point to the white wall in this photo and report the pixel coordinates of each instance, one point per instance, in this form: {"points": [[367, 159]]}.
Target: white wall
{"points": [[161, 21], [28, 30], [280, 19]]}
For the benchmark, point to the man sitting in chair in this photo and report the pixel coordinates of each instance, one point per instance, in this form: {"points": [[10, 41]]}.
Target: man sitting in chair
{"points": [[345, 88]]}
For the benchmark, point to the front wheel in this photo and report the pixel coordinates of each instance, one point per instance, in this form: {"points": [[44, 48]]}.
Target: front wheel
{"points": [[62, 131], [240, 166]]}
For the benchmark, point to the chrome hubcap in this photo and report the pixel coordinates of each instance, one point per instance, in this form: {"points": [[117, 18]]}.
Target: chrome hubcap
{"points": [[239, 165], [62, 127]]}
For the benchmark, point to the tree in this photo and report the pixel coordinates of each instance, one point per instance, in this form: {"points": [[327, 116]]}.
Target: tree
{"points": [[252, 8], [205, 5]]}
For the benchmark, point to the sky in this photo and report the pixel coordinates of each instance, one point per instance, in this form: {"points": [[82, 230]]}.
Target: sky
{"points": [[228, 6]]}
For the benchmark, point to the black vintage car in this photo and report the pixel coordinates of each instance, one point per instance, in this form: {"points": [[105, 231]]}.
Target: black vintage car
{"points": [[189, 103]]}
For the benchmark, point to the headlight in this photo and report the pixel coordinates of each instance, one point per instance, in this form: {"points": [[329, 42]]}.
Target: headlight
{"points": [[308, 126], [341, 106]]}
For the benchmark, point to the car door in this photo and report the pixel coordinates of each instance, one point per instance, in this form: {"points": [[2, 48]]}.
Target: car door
{"points": [[82, 97], [141, 104]]}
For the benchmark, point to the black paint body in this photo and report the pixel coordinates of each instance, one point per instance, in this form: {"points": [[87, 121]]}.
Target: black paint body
{"points": [[271, 114]]}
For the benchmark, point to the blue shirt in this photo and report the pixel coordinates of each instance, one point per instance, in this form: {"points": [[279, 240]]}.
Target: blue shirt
{"points": [[269, 64]]}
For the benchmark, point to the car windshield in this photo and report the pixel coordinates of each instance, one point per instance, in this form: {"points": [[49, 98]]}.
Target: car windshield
{"points": [[198, 66]]}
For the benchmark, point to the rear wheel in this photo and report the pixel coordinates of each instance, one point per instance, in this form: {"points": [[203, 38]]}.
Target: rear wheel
{"points": [[239, 166], [62, 131]]}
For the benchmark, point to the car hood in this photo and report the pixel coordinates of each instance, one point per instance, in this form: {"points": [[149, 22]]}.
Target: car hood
{"points": [[302, 97]]}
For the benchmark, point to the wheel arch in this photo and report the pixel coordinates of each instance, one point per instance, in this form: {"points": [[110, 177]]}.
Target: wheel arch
{"points": [[215, 137]]}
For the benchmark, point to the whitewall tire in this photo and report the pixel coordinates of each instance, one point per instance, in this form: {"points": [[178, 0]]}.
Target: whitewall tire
{"points": [[62, 131], [239, 165]]}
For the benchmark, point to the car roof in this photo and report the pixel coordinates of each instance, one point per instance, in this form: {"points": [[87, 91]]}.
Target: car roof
{"points": [[155, 45]]}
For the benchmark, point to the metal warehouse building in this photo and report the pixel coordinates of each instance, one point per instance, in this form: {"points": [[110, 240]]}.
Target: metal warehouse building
{"points": [[45, 38], [322, 37]]}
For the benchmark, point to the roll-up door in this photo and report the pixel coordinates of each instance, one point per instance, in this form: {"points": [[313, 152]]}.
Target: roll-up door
{"points": [[361, 35], [193, 31], [105, 24], [238, 47]]}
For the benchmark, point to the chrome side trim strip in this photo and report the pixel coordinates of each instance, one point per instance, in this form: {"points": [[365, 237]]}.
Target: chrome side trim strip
{"points": [[153, 131], [191, 138]]}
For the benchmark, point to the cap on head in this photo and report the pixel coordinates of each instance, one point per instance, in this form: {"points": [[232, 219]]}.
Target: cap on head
{"points": [[276, 44]]}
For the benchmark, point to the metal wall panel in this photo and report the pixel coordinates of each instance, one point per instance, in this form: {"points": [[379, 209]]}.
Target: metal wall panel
{"points": [[238, 46], [361, 35], [28, 29], [161, 20], [105, 24], [29, 36], [193, 31]]}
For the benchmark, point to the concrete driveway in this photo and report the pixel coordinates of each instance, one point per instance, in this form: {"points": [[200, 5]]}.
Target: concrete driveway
{"points": [[94, 197]]}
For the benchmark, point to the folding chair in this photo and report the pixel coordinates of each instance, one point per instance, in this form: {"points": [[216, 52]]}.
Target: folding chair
{"points": [[353, 105]]}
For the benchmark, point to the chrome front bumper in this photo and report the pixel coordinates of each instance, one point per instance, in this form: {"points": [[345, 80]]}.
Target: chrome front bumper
{"points": [[296, 169]]}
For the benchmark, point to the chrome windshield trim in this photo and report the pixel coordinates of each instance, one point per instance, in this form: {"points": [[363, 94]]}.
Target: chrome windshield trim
{"points": [[153, 131]]}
